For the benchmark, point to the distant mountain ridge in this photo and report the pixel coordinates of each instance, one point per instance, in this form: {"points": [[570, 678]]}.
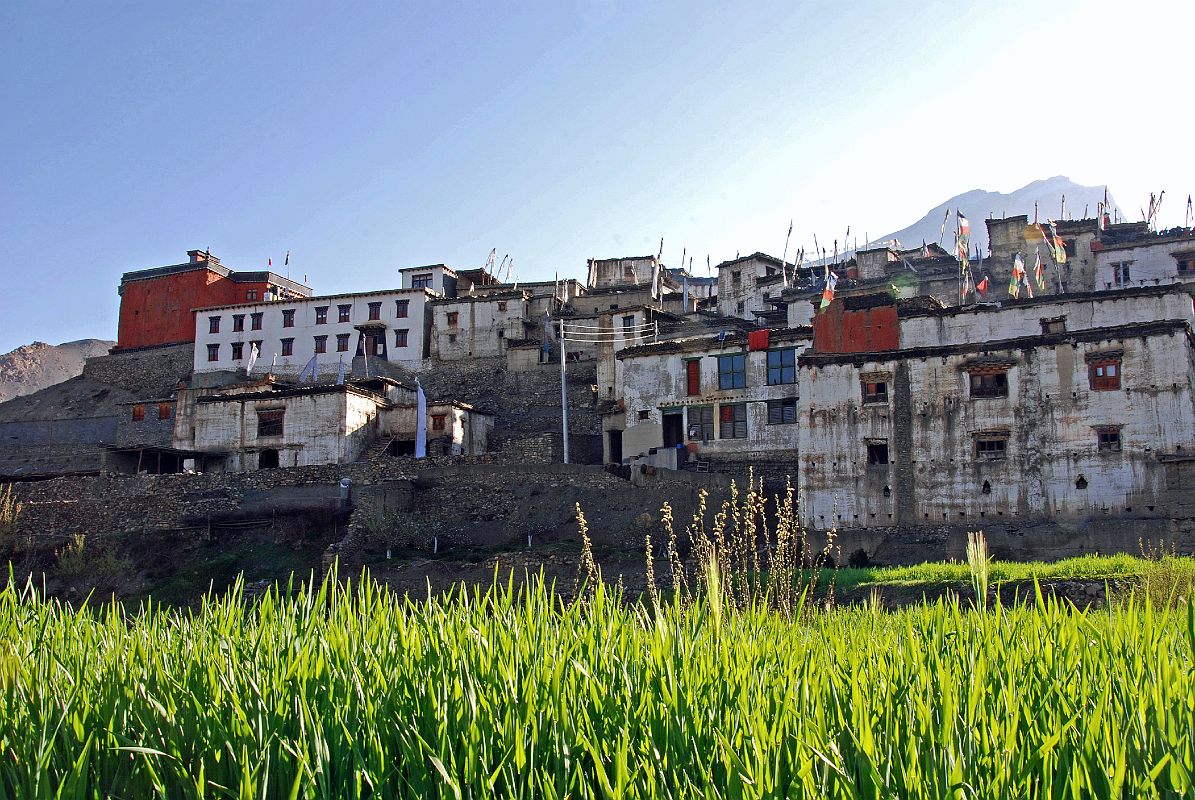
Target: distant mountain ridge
{"points": [[35, 366], [978, 205]]}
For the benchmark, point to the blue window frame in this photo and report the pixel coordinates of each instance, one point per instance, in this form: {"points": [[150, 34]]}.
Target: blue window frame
{"points": [[782, 366], [732, 371]]}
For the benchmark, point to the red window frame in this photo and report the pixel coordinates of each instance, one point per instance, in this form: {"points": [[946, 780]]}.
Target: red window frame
{"points": [[693, 377], [1104, 374]]}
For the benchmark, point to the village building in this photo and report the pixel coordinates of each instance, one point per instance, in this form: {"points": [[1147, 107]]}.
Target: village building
{"points": [[729, 396], [266, 424], [1053, 408], [490, 319], [608, 273], [1010, 236], [479, 326], [156, 303], [702, 290], [601, 336], [1132, 255], [544, 297], [387, 325], [746, 284], [452, 428], [443, 280]]}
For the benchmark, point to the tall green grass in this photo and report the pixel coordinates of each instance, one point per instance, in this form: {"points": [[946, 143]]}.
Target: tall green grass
{"points": [[1114, 567], [354, 692]]}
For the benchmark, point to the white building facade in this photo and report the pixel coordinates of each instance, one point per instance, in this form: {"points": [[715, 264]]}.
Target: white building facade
{"points": [[388, 324], [1056, 407], [717, 397]]}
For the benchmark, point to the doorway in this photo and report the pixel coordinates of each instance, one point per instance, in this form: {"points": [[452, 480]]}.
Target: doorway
{"points": [[614, 439], [267, 459], [674, 428]]}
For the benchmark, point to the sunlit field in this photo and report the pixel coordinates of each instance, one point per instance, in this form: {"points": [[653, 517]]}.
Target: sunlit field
{"points": [[351, 691]]}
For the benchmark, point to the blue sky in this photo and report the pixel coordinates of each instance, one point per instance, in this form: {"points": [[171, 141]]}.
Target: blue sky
{"points": [[368, 137]]}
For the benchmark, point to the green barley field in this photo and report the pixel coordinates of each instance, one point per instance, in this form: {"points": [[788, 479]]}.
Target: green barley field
{"points": [[350, 691]]}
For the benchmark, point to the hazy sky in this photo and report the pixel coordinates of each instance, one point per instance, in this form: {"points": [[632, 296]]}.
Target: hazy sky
{"points": [[368, 137]]}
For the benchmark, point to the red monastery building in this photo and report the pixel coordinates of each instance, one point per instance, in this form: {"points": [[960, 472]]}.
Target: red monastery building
{"points": [[156, 304]]}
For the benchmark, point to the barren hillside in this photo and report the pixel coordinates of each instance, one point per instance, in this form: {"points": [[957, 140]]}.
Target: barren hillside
{"points": [[35, 366]]}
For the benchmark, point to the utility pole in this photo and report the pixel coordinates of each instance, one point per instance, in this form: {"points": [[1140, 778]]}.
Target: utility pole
{"points": [[563, 393]]}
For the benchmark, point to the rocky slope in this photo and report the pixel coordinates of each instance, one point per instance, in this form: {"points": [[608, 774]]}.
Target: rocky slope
{"points": [[35, 366]]}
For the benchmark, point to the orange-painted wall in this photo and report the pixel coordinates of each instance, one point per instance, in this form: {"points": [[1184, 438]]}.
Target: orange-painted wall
{"points": [[158, 310], [836, 330]]}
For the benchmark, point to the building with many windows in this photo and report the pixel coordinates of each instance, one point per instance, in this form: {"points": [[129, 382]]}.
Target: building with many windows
{"points": [[1060, 407], [390, 325], [728, 396]]}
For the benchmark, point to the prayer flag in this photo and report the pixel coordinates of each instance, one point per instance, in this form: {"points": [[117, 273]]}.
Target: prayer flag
{"points": [[1058, 245], [1039, 274], [309, 370], [252, 358], [1018, 274], [286, 263], [982, 286], [831, 284], [420, 421], [964, 227]]}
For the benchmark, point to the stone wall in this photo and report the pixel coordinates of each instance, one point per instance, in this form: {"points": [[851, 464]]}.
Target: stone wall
{"points": [[106, 505], [485, 507]]}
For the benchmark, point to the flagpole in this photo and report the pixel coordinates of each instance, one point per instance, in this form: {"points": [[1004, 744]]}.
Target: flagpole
{"points": [[563, 394], [957, 235], [784, 256]]}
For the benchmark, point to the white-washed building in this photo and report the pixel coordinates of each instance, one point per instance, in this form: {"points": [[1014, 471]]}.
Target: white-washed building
{"points": [[453, 428], [1147, 259], [481, 325], [746, 284], [1058, 408], [730, 396], [389, 324], [265, 424]]}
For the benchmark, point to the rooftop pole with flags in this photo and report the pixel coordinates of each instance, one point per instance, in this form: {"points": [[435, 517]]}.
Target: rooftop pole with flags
{"points": [[962, 247], [784, 256]]}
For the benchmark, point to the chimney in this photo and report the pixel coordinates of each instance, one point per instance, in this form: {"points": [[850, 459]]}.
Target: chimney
{"points": [[201, 256]]}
